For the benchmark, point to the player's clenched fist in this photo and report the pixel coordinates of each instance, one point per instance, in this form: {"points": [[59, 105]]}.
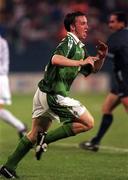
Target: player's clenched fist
{"points": [[89, 60]]}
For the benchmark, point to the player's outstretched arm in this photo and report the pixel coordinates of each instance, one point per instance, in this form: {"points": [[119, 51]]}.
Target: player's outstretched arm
{"points": [[60, 60]]}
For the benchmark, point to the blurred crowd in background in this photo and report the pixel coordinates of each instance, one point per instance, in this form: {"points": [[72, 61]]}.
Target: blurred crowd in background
{"points": [[34, 27]]}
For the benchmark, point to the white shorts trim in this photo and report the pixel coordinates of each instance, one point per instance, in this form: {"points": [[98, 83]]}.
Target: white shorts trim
{"points": [[74, 106]]}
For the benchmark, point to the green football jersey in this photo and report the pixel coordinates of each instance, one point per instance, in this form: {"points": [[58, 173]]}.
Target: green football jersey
{"points": [[58, 79]]}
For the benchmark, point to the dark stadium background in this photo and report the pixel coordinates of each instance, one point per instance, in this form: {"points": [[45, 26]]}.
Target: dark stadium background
{"points": [[34, 27]]}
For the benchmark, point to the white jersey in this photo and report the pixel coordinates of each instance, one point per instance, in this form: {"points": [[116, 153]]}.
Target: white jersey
{"points": [[5, 95], [4, 57]]}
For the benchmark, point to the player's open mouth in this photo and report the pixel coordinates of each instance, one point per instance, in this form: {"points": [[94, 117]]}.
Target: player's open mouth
{"points": [[85, 32]]}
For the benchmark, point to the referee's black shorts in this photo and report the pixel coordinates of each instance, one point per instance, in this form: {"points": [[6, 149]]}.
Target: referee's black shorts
{"points": [[120, 88]]}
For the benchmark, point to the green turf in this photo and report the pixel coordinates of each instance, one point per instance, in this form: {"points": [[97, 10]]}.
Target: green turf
{"points": [[64, 160]]}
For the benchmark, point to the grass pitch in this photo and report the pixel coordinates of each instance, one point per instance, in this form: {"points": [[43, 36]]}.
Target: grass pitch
{"points": [[64, 160]]}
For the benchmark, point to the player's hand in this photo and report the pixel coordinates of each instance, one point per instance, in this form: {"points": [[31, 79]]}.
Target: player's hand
{"points": [[89, 60], [102, 50]]}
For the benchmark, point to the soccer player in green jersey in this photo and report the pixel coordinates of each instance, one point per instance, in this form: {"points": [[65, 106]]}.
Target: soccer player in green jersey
{"points": [[52, 101]]}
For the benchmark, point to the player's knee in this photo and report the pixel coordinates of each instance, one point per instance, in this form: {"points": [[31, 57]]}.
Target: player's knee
{"points": [[88, 120], [91, 123]]}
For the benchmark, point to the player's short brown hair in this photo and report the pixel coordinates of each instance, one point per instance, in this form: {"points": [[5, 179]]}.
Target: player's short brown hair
{"points": [[70, 19]]}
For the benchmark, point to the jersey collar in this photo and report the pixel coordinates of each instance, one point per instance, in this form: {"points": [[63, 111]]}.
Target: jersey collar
{"points": [[77, 41]]}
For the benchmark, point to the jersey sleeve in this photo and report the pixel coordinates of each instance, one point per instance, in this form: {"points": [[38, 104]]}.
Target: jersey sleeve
{"points": [[86, 70], [65, 48]]}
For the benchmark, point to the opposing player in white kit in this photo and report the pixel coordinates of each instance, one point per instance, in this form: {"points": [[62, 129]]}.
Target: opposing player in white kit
{"points": [[5, 95]]}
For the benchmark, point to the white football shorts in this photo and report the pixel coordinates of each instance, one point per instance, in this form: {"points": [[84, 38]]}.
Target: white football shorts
{"points": [[41, 108]]}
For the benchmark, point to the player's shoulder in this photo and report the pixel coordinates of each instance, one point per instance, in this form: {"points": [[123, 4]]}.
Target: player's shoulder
{"points": [[118, 39], [119, 34], [68, 41], [115, 37], [3, 41], [124, 34]]}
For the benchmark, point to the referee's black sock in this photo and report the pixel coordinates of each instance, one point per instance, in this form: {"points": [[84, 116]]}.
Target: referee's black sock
{"points": [[105, 124]]}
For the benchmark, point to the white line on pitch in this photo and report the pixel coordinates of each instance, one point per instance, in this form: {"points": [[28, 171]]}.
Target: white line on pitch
{"points": [[109, 148]]}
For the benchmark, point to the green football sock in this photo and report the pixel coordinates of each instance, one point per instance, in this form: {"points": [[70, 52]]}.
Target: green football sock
{"points": [[22, 149], [61, 132]]}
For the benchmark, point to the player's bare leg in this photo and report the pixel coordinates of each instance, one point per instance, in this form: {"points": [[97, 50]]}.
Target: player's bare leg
{"points": [[37, 135], [84, 123], [71, 128], [124, 101], [9, 118]]}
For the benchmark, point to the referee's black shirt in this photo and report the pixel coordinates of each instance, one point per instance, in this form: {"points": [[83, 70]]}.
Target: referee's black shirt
{"points": [[118, 51]]}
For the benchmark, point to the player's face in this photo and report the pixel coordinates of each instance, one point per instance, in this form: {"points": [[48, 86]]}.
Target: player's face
{"points": [[114, 24], [80, 27]]}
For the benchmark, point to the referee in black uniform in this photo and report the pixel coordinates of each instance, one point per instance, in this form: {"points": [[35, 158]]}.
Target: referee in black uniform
{"points": [[118, 52]]}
